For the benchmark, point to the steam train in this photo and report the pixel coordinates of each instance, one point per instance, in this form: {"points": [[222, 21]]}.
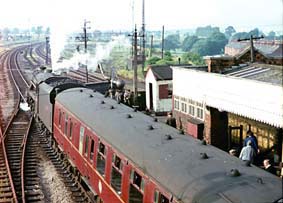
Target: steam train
{"points": [[124, 156]]}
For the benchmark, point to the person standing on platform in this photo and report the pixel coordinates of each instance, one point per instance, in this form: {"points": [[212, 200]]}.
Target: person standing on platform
{"points": [[171, 120], [248, 153], [253, 139]]}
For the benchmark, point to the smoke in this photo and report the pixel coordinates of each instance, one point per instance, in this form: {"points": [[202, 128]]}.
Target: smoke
{"points": [[102, 52], [58, 39]]}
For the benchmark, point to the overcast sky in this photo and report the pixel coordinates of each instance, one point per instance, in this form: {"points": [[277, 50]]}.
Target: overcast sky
{"points": [[117, 14]]}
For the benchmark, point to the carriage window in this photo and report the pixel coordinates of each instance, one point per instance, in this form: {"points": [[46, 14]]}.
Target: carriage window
{"points": [[101, 159], [136, 178], [116, 174], [86, 145], [82, 131], [160, 198], [66, 125], [91, 149], [71, 130], [60, 117], [136, 188]]}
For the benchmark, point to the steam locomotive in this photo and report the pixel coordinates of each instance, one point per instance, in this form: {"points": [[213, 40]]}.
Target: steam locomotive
{"points": [[124, 156]]}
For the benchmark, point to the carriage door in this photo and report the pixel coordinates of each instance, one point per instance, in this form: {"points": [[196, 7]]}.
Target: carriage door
{"points": [[235, 137], [82, 131]]}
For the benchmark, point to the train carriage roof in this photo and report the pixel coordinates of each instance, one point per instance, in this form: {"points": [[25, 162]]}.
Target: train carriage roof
{"points": [[176, 163]]}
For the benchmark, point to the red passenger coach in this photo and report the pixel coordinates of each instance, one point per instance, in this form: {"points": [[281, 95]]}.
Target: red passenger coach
{"points": [[124, 156], [107, 172], [80, 144]]}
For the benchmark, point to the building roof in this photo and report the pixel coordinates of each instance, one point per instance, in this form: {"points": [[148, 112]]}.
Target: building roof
{"points": [[269, 49], [272, 74], [174, 163], [163, 72]]}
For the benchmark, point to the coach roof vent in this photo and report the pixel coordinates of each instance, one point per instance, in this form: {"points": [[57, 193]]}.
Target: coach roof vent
{"points": [[112, 107], [150, 127], [102, 102], [203, 142], [234, 173], [129, 116], [90, 95], [203, 156], [81, 90], [168, 137], [155, 120]]}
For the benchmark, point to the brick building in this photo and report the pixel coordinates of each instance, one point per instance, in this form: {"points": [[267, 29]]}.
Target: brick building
{"points": [[232, 96]]}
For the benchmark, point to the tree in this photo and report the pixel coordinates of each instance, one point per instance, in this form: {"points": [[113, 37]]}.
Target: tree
{"points": [[152, 60], [15, 31], [271, 34], [255, 32], [168, 59], [212, 45], [193, 58], [172, 42], [38, 31], [188, 42], [229, 31], [168, 56], [47, 31], [6, 31], [240, 35], [206, 31]]}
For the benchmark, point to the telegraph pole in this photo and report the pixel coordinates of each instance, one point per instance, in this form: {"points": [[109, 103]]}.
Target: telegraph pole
{"points": [[162, 43], [85, 44], [151, 46], [251, 44], [135, 65], [143, 36], [47, 50]]}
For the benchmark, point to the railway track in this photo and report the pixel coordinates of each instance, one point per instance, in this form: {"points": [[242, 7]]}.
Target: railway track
{"points": [[14, 139], [40, 50], [71, 181], [7, 190], [31, 185], [81, 75], [20, 180]]}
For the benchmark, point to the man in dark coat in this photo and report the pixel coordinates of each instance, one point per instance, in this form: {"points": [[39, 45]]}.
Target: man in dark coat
{"points": [[268, 167], [171, 120], [252, 138]]}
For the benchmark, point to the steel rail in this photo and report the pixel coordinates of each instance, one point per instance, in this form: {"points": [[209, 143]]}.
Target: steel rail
{"points": [[23, 160]]}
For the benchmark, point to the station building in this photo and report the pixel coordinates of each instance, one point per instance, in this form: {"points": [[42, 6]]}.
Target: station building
{"points": [[232, 96]]}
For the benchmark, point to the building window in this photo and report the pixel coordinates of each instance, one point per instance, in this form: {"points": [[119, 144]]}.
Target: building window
{"points": [[184, 107], [170, 90], [176, 104], [101, 159], [191, 110], [163, 91], [200, 113]]}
